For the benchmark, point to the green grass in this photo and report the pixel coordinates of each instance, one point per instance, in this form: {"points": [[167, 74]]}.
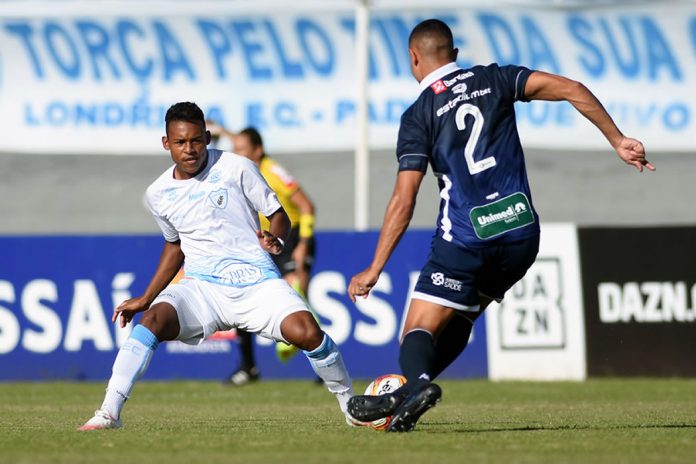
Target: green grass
{"points": [[598, 421]]}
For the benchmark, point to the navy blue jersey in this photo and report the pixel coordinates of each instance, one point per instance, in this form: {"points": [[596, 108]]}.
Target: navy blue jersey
{"points": [[463, 125]]}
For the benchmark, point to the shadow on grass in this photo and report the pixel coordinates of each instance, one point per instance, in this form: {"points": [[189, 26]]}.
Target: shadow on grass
{"points": [[536, 428]]}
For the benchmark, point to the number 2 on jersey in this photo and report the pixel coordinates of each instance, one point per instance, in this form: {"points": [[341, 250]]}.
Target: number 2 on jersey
{"points": [[474, 166]]}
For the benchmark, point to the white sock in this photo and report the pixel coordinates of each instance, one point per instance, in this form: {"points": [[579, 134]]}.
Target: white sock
{"points": [[130, 364], [327, 363]]}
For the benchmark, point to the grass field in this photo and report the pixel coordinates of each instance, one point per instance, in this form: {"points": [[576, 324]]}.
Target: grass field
{"points": [[599, 421]]}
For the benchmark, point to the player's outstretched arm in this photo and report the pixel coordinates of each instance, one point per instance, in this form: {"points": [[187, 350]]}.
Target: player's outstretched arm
{"points": [[551, 87], [396, 219], [170, 262]]}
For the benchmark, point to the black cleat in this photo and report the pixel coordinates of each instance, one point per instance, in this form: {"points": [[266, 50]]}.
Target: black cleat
{"points": [[243, 376], [410, 410], [367, 408]]}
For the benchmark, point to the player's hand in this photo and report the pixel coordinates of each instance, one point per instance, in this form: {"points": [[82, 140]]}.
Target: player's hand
{"points": [[128, 309], [269, 242], [633, 153], [361, 284]]}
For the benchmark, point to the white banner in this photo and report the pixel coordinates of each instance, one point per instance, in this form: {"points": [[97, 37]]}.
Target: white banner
{"points": [[99, 80], [538, 331]]}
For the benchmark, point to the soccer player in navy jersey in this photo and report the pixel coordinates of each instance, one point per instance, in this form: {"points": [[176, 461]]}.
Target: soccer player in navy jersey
{"points": [[463, 125]]}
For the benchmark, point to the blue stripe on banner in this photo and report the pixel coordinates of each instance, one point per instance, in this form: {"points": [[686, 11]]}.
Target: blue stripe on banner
{"points": [[57, 295]]}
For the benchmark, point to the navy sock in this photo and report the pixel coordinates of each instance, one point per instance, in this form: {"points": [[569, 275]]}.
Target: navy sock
{"points": [[417, 358], [246, 349], [451, 343]]}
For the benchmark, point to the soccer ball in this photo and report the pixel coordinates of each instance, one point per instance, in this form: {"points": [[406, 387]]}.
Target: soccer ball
{"points": [[381, 385]]}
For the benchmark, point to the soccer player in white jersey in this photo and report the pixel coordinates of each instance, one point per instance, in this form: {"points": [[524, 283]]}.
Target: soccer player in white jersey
{"points": [[207, 206]]}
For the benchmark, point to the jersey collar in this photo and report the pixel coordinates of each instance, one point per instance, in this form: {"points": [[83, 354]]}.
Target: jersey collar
{"points": [[438, 74]]}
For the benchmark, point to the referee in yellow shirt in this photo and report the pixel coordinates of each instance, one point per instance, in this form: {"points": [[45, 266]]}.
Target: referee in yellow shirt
{"points": [[295, 262]]}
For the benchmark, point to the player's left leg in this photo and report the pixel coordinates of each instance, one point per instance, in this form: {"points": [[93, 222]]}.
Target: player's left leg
{"points": [[455, 337], [500, 269], [297, 275], [475, 280], [273, 310], [452, 341], [418, 355], [427, 357], [301, 329]]}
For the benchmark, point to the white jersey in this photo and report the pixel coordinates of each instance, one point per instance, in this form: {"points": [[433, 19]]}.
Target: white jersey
{"points": [[215, 215]]}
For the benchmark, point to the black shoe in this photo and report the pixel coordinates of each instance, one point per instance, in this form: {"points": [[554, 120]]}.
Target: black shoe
{"points": [[406, 415], [243, 376], [367, 408]]}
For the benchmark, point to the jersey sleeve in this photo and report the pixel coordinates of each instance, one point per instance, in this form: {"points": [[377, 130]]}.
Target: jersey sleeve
{"points": [[514, 78], [257, 191], [280, 180], [413, 146], [168, 231]]}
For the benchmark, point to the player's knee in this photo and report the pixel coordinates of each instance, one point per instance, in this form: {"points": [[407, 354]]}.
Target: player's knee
{"points": [[162, 321], [313, 338], [300, 329]]}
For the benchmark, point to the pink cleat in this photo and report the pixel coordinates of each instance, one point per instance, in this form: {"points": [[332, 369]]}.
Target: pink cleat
{"points": [[101, 421]]}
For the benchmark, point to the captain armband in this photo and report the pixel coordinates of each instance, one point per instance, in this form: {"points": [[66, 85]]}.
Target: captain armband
{"points": [[306, 225]]}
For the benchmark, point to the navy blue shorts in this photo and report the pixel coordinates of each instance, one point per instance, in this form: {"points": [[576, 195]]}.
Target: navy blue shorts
{"points": [[455, 277]]}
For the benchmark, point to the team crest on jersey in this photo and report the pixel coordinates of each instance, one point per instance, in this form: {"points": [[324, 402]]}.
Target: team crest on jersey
{"points": [[438, 87], [219, 198]]}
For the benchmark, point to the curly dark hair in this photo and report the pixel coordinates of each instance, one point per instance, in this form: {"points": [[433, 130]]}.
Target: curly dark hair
{"points": [[184, 111]]}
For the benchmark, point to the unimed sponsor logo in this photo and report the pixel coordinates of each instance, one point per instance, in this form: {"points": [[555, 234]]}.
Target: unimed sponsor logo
{"points": [[646, 302]]}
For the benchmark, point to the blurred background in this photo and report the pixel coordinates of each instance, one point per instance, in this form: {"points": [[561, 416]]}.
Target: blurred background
{"points": [[84, 86]]}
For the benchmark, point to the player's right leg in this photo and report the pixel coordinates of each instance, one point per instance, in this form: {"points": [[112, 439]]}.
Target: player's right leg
{"points": [[447, 284], [158, 323], [417, 358], [180, 312], [475, 279], [448, 346]]}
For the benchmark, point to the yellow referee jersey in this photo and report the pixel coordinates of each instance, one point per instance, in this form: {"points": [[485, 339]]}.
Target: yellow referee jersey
{"points": [[284, 186]]}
